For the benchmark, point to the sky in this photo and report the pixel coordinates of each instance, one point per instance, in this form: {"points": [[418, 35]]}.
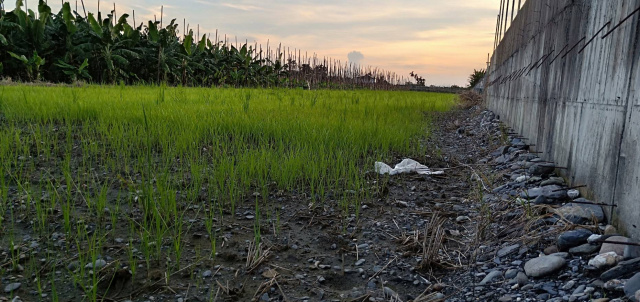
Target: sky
{"points": [[442, 41]]}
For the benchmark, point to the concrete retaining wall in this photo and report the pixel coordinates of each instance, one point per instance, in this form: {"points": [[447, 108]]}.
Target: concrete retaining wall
{"points": [[577, 98]]}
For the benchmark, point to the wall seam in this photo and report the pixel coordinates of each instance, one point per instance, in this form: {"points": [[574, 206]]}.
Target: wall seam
{"points": [[626, 117]]}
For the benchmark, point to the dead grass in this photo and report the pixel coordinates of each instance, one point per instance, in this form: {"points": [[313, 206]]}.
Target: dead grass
{"points": [[468, 99]]}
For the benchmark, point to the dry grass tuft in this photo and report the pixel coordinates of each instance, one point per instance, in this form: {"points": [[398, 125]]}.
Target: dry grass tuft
{"points": [[469, 99]]}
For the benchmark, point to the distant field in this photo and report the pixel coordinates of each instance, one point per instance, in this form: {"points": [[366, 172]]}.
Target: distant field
{"points": [[102, 162]]}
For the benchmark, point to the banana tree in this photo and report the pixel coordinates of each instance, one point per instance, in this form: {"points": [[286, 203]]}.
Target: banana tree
{"points": [[112, 48], [75, 72], [32, 65]]}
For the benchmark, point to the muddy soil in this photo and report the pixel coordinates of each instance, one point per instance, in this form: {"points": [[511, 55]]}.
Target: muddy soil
{"points": [[415, 239]]}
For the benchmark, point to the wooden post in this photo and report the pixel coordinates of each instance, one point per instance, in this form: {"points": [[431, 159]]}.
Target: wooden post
{"points": [[506, 18], [495, 38], [83, 9], [161, 14], [500, 17], [513, 6]]}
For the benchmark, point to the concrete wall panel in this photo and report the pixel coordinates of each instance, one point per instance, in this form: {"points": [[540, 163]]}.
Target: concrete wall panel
{"points": [[580, 107]]}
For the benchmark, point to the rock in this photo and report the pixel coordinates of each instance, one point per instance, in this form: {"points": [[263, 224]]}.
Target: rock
{"points": [[631, 251], [462, 218], [73, 265], [595, 238], [541, 169], [321, 279], [506, 251], [553, 181], [550, 192], [569, 285], [637, 296], [561, 255], [543, 265], [551, 250], [490, 277], [611, 247], [621, 270], [579, 290], [632, 287], [505, 298], [573, 194], [605, 260], [207, 274], [573, 238], [601, 300], [585, 249], [610, 230], [12, 287], [542, 200], [360, 262], [614, 285], [264, 297], [390, 293], [579, 213], [511, 273], [100, 263], [521, 279], [270, 274], [500, 151]]}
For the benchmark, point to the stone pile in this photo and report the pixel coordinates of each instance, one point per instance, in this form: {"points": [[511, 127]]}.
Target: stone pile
{"points": [[580, 257]]}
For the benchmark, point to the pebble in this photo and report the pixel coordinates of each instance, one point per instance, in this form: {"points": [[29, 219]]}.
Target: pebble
{"points": [[12, 287], [511, 273], [360, 262], [390, 293], [100, 263], [541, 169], [623, 268], [605, 260], [585, 249], [614, 285], [573, 238], [550, 192], [581, 213], [573, 193], [543, 265], [207, 274], [569, 285], [505, 298], [462, 218], [632, 287], [490, 277], [522, 279], [506, 251]]}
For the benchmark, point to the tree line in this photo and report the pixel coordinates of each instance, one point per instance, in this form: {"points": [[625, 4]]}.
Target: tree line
{"points": [[70, 46]]}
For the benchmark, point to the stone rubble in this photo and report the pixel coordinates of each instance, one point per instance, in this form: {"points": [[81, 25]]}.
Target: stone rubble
{"points": [[586, 269]]}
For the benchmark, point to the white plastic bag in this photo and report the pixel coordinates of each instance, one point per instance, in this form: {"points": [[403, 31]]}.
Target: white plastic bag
{"points": [[405, 166]]}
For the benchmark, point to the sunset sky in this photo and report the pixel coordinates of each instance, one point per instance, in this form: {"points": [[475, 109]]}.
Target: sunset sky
{"points": [[443, 41]]}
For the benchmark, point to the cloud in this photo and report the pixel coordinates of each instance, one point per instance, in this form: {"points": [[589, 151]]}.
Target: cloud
{"points": [[355, 57]]}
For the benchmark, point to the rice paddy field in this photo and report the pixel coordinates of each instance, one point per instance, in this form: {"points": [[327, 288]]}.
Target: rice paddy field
{"points": [[109, 193]]}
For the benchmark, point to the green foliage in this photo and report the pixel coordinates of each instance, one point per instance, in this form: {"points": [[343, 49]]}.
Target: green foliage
{"points": [[66, 47], [476, 77]]}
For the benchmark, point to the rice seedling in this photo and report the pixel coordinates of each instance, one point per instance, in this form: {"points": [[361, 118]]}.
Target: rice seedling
{"points": [[157, 164]]}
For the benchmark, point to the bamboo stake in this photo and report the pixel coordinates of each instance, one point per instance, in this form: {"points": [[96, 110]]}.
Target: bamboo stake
{"points": [[83, 8]]}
